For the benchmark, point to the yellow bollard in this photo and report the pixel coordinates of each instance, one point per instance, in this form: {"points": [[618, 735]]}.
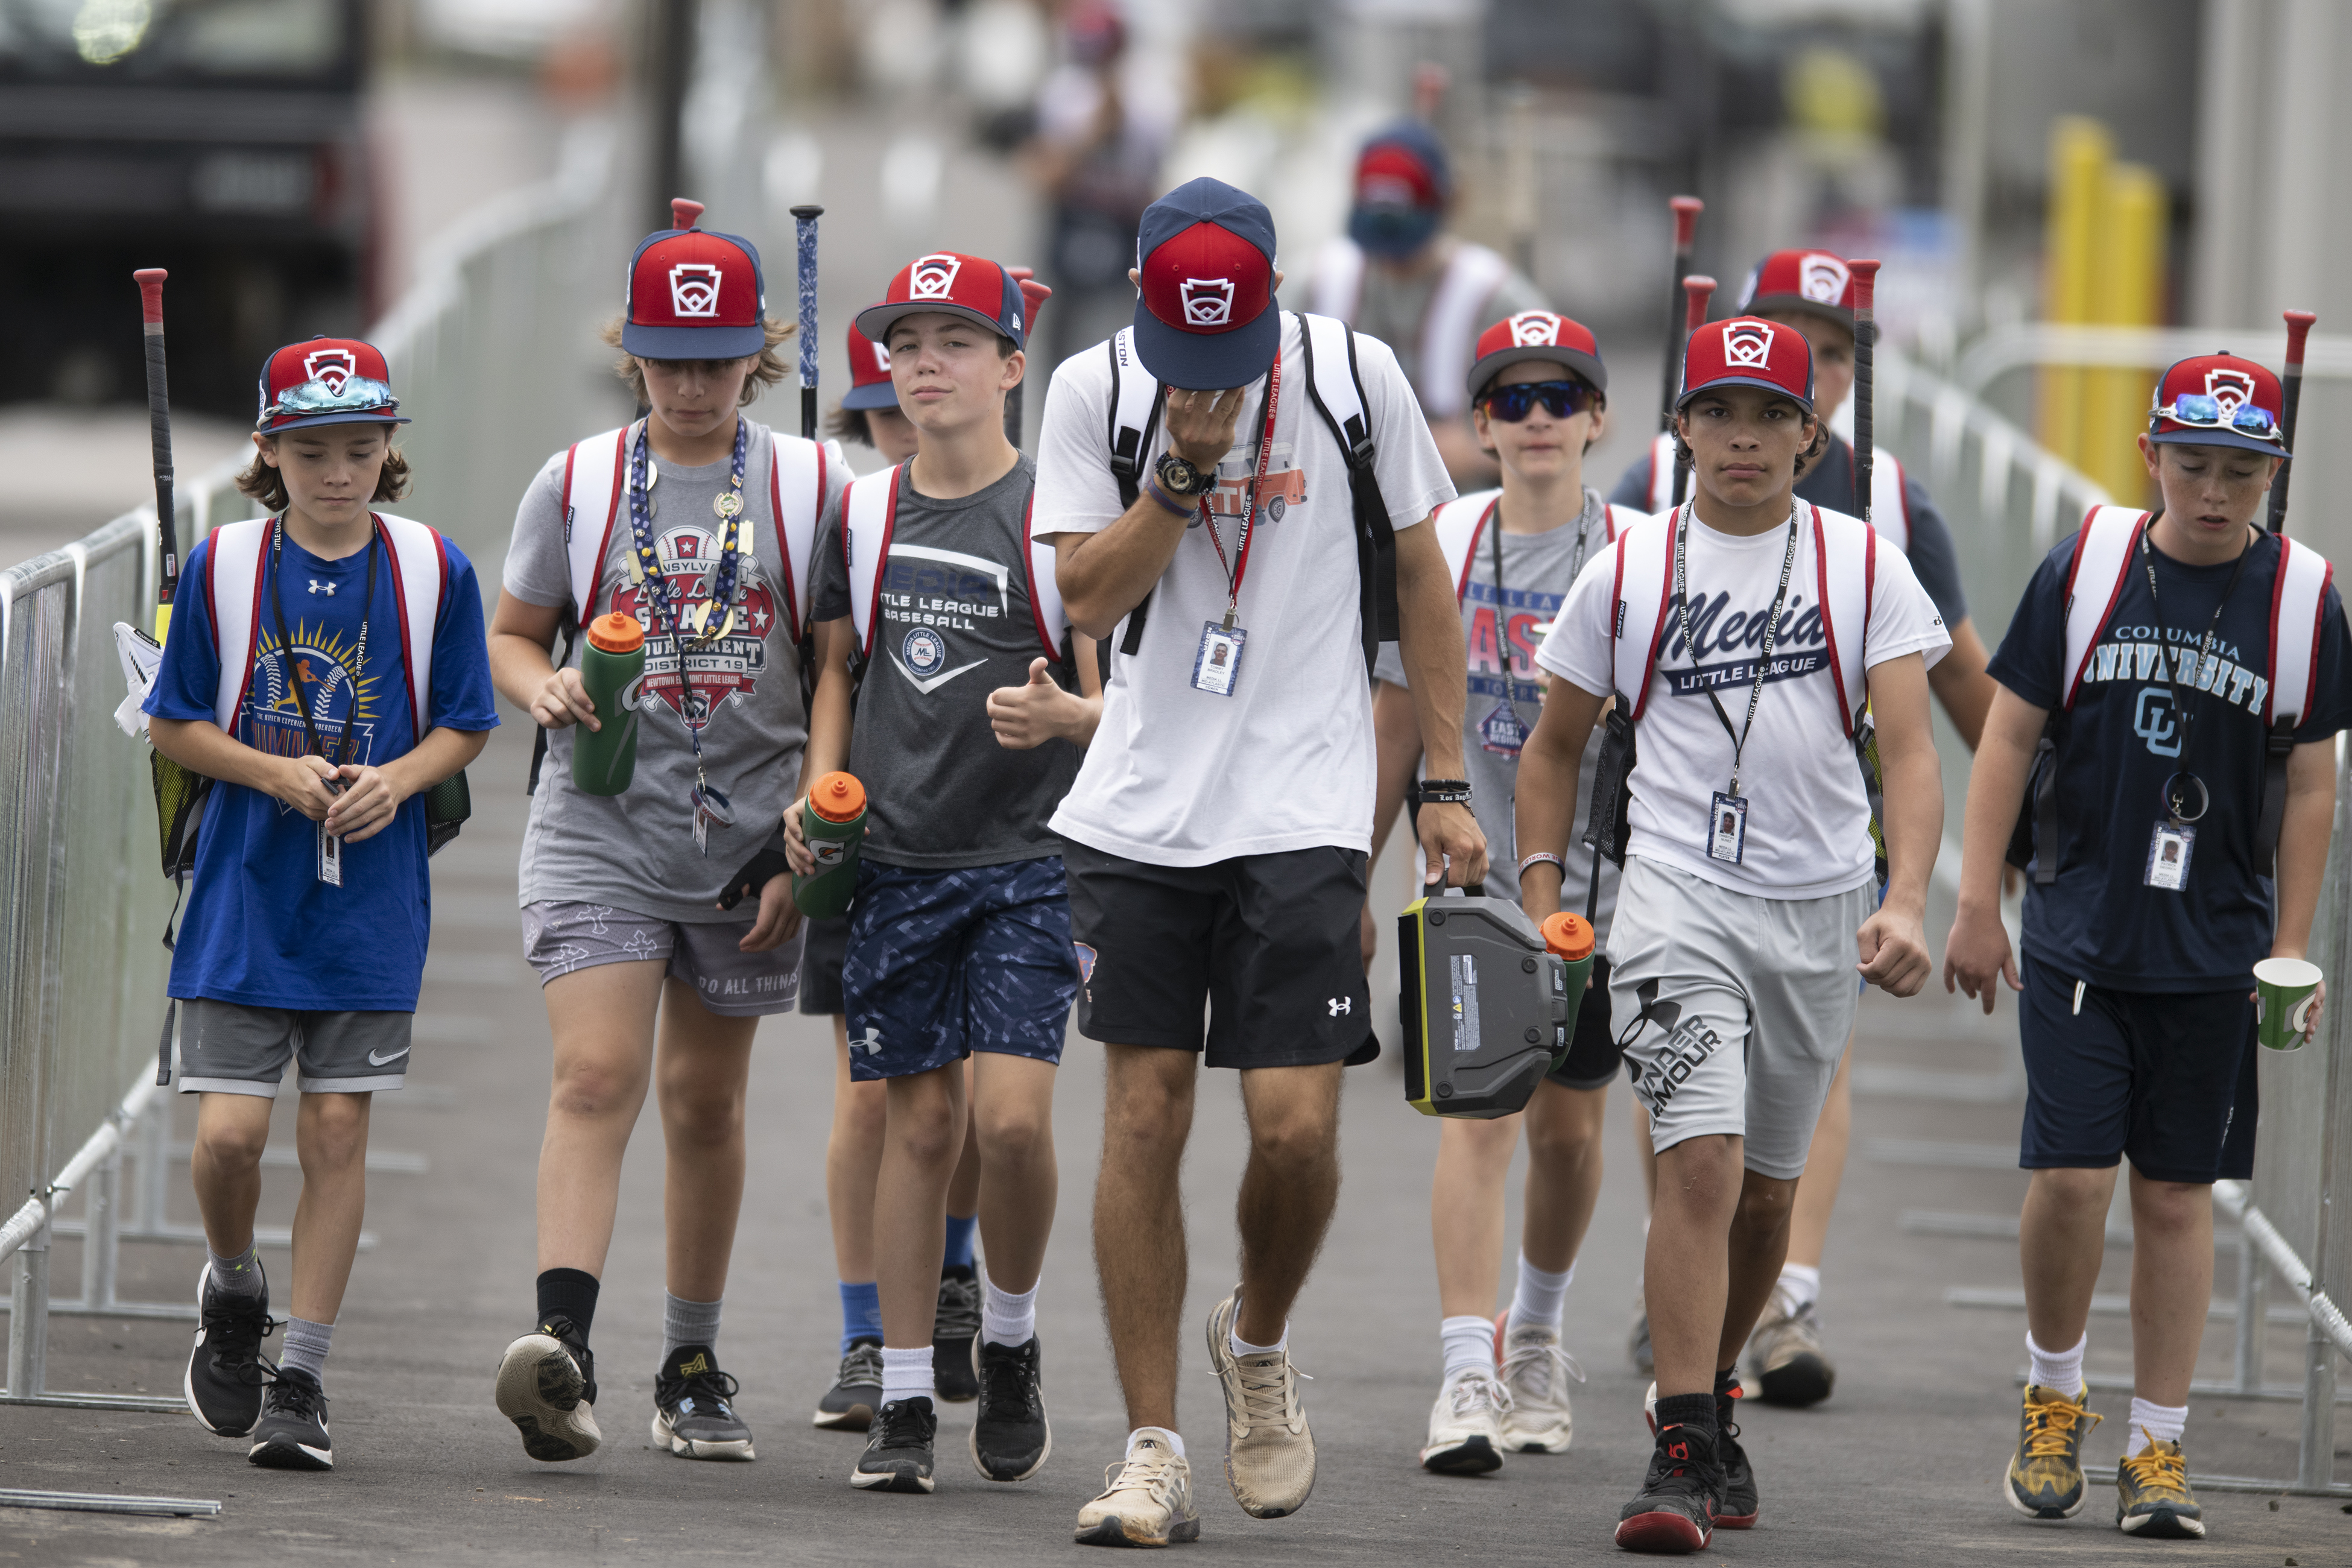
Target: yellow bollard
{"points": [[2080, 151], [2130, 294]]}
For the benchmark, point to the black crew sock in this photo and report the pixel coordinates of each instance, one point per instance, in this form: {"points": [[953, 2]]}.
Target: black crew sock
{"points": [[571, 1292], [1727, 1399], [1693, 1410]]}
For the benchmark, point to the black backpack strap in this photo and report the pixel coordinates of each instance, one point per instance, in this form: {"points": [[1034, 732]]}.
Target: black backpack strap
{"points": [[539, 741], [1341, 402], [1134, 419], [2278, 745]]}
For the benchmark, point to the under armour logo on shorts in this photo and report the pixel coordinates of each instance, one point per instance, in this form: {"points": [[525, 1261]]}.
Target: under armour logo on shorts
{"points": [[1339, 1005]]}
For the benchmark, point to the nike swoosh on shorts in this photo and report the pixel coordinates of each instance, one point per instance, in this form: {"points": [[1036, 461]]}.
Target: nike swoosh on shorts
{"points": [[376, 1061]]}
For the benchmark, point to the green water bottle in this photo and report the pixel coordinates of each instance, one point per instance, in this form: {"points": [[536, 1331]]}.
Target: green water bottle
{"points": [[835, 824], [613, 668]]}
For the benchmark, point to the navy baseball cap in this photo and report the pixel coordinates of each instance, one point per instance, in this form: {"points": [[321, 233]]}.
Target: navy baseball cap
{"points": [[1402, 183], [1205, 316]]}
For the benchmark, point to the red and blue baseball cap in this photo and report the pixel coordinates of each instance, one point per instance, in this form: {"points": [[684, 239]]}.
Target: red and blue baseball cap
{"points": [[326, 381], [2219, 400], [1815, 282], [1402, 183], [869, 374], [695, 293], [969, 286], [1747, 351], [1537, 335], [1205, 316]]}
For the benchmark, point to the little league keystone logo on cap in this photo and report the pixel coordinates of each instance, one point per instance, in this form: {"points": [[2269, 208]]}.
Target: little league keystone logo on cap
{"points": [[1823, 277], [972, 287], [325, 380], [2231, 389], [2219, 400], [331, 367], [694, 288], [1818, 283], [695, 294], [1530, 327], [1208, 301], [1749, 344], [1541, 335], [1204, 314], [933, 277], [1744, 352]]}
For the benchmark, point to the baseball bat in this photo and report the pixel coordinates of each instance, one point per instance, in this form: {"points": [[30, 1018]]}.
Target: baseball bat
{"points": [[1686, 211], [1034, 296], [159, 423], [804, 219], [1865, 288], [2298, 328], [684, 214], [1697, 290]]}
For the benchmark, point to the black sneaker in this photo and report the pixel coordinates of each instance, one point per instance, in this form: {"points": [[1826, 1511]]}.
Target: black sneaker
{"points": [[225, 1374], [1012, 1438], [292, 1432], [547, 1388], [897, 1457], [692, 1418], [1738, 1501], [953, 1331], [856, 1392], [1675, 1510]]}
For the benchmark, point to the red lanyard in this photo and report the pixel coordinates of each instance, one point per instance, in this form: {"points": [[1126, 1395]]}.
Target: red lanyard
{"points": [[1240, 564]]}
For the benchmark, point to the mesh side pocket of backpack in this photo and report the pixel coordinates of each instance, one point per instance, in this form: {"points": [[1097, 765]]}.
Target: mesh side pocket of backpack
{"points": [[448, 805], [180, 796]]}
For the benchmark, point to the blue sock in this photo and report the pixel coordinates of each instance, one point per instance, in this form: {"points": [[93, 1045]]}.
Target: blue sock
{"points": [[861, 1313], [958, 1253]]}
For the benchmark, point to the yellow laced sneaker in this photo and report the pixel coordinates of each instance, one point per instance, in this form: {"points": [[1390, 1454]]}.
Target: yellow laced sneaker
{"points": [[2045, 1474], [2152, 1495]]}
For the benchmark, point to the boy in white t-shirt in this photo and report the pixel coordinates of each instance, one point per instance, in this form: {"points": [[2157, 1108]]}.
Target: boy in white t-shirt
{"points": [[1744, 633]]}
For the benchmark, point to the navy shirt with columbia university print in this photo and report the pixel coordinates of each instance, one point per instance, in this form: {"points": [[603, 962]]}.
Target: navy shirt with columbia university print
{"points": [[2099, 922]]}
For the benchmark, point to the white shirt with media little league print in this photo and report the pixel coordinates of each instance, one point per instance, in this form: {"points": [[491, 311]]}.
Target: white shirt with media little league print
{"points": [[1807, 833], [1179, 776]]}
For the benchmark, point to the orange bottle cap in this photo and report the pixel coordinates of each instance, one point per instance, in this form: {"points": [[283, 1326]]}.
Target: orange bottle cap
{"points": [[1567, 936], [617, 633], [837, 797]]}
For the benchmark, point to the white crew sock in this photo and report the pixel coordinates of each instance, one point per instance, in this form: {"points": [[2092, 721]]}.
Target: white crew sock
{"points": [[1173, 1439], [1799, 1287], [2154, 1423], [1540, 1297], [2061, 1371], [1469, 1344], [1242, 1347], [906, 1375], [1006, 1318]]}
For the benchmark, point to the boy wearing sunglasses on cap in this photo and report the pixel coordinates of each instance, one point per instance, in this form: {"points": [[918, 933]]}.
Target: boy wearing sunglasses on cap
{"points": [[2170, 688], [1537, 397]]}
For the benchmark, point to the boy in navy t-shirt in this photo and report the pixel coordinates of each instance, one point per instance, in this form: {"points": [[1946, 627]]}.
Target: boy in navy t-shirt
{"points": [[327, 672], [2170, 649]]}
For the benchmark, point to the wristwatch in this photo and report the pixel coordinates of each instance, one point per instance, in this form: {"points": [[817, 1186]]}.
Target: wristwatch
{"points": [[1180, 477]]}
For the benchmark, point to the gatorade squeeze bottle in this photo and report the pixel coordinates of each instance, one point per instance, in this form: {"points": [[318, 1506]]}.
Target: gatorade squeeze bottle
{"points": [[834, 826], [1569, 938], [613, 668]]}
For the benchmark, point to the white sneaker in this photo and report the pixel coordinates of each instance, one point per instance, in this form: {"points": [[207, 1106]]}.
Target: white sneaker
{"points": [[1270, 1451], [1536, 1374], [1147, 1500], [1466, 1425]]}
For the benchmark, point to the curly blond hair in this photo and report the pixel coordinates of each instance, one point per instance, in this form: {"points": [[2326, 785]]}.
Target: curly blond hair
{"points": [[770, 369]]}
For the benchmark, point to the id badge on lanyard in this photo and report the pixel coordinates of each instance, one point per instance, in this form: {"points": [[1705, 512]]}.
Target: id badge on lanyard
{"points": [[1216, 666]]}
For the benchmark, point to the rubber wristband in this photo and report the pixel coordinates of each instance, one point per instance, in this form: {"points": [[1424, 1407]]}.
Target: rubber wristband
{"points": [[1542, 855], [1151, 488], [1446, 792]]}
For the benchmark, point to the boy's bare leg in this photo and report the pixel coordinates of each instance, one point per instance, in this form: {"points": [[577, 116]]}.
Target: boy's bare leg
{"points": [[920, 1150], [2062, 1240], [853, 1162], [1645, 1153], [1686, 1266], [2172, 1286], [1465, 1211], [1759, 1245], [1289, 1188], [603, 1020], [1817, 1190], [963, 1188], [1011, 1148], [1563, 1173], [231, 1130], [701, 1073], [1139, 1254], [330, 1135]]}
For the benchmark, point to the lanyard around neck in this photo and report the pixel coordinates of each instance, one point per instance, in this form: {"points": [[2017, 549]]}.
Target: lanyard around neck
{"points": [[1240, 563], [342, 750], [2187, 715], [1771, 630], [1502, 614]]}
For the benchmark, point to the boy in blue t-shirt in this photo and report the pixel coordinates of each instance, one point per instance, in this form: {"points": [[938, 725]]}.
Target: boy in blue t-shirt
{"points": [[2171, 650], [328, 670]]}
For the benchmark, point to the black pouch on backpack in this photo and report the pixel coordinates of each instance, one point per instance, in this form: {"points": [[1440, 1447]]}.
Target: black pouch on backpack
{"points": [[1606, 825], [2037, 815]]}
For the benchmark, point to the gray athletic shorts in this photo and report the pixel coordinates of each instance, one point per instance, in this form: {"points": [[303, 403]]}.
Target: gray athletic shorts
{"points": [[227, 1048], [559, 937], [1740, 1008]]}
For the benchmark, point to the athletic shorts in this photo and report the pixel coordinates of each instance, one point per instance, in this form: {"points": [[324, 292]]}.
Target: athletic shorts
{"points": [[1593, 1054], [1738, 1008], [943, 963], [1271, 943], [823, 942], [227, 1048], [559, 937], [2165, 1078]]}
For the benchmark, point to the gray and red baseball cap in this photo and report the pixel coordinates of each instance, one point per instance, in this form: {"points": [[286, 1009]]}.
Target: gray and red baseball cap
{"points": [[1748, 352], [1537, 335], [695, 293], [325, 380], [869, 374], [2218, 400], [972, 287], [1205, 316]]}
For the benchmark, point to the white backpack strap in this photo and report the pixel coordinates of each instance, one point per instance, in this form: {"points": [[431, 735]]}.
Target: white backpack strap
{"points": [[1846, 561], [2094, 581], [1461, 524], [796, 482], [420, 576], [1135, 403], [1337, 286], [1616, 520], [1890, 512], [1449, 330], [1044, 586], [1662, 473], [1644, 580], [592, 482], [868, 512], [240, 552], [1331, 348], [2298, 600]]}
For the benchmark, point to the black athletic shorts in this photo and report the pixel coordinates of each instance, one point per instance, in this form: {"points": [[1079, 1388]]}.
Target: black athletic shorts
{"points": [[1594, 1057], [1272, 943], [821, 967]]}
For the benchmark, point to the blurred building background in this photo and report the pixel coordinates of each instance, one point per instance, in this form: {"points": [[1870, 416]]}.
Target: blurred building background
{"points": [[2128, 165]]}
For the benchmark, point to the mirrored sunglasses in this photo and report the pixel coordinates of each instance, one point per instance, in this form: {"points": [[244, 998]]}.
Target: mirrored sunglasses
{"points": [[2196, 408], [1560, 399], [358, 394]]}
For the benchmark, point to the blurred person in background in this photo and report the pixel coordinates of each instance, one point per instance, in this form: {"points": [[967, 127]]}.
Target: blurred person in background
{"points": [[1102, 129], [1398, 275]]}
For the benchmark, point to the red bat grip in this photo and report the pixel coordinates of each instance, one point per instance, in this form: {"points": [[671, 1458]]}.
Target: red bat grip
{"points": [[683, 213], [2298, 328], [1697, 290], [1865, 283], [1686, 211], [151, 294], [1034, 296]]}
